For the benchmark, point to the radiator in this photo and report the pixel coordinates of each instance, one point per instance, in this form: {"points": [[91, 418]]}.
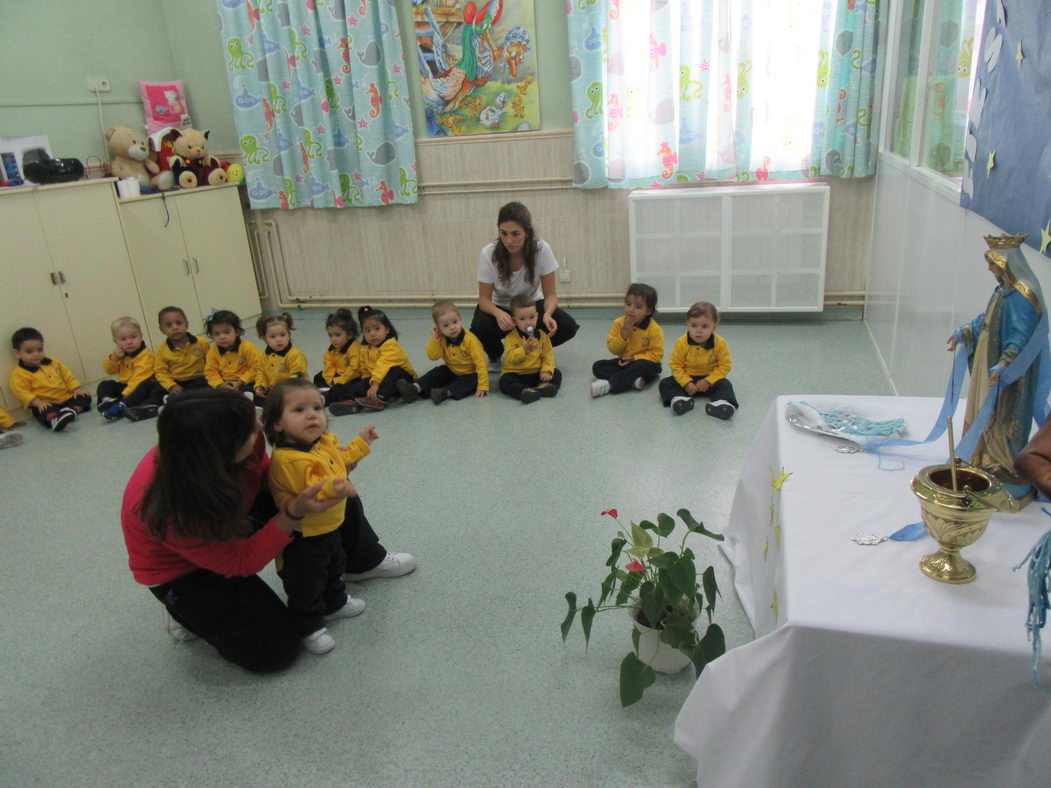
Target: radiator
{"points": [[267, 258], [744, 248]]}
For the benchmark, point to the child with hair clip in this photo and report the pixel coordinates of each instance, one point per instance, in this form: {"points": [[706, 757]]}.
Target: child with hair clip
{"points": [[342, 364], [305, 453], [178, 363], [465, 371], [233, 362], [529, 361], [637, 342], [9, 439], [281, 359], [383, 361], [700, 362], [135, 393]]}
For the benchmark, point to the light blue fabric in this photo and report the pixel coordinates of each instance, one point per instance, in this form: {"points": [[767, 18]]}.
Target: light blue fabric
{"points": [[320, 102], [1038, 577]]}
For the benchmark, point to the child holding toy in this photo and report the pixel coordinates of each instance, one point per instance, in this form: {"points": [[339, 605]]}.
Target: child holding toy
{"points": [[178, 363], [338, 380], [281, 360], [700, 362], [383, 361], [45, 385], [637, 342], [135, 393], [529, 371], [233, 362], [465, 370]]}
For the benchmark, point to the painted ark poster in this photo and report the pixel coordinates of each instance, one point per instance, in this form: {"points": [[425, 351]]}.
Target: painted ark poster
{"points": [[478, 68]]}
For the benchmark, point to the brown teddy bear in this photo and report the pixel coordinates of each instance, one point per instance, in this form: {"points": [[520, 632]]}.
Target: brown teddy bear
{"points": [[185, 154], [131, 156]]}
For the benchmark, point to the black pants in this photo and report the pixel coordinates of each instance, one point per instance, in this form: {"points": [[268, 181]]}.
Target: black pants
{"points": [[458, 386], [149, 392], [312, 574], [622, 378], [200, 382], [388, 389], [512, 383], [79, 403], [341, 392], [489, 333], [721, 389]]}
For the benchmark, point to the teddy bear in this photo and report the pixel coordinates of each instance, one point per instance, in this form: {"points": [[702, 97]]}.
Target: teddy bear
{"points": [[131, 156], [185, 154]]}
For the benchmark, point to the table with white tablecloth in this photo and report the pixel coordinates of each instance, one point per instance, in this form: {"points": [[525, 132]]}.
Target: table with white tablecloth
{"points": [[865, 671]]}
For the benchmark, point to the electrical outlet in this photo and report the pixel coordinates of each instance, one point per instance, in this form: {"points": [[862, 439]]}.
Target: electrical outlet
{"points": [[99, 85], [563, 275]]}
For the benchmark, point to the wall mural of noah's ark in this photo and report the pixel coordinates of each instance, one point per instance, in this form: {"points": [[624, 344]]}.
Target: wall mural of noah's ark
{"points": [[478, 66]]}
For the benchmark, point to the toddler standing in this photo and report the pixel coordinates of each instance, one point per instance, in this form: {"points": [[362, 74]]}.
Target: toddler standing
{"points": [[700, 362], [45, 385], [638, 343], [178, 363], [465, 370], [529, 371], [135, 393], [281, 360], [233, 362]]}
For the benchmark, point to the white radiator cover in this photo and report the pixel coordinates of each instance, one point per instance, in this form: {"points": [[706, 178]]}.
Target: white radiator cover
{"points": [[744, 248]]}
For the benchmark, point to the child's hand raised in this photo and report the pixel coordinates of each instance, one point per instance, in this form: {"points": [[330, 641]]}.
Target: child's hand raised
{"points": [[627, 327], [116, 355], [368, 434], [435, 333], [530, 344]]}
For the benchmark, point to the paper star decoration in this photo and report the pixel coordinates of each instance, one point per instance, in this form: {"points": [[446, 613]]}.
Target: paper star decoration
{"points": [[1045, 236], [1019, 55], [992, 161], [774, 605], [777, 481]]}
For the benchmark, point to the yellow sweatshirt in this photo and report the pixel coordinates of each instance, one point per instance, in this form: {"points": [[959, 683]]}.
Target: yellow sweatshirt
{"points": [[240, 363], [712, 359], [51, 381], [342, 366], [462, 356], [296, 466], [134, 368], [172, 364], [6, 419], [645, 343], [275, 367], [518, 361], [376, 362]]}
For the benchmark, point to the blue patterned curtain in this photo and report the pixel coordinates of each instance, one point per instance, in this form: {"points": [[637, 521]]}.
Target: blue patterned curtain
{"points": [[320, 102], [742, 90]]}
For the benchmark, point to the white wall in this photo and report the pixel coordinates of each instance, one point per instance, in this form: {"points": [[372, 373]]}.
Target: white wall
{"points": [[927, 274]]}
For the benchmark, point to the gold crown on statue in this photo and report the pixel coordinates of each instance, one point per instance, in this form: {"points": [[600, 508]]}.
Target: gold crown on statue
{"points": [[1005, 241]]}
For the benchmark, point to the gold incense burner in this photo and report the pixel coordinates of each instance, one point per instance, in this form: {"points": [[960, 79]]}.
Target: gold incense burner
{"points": [[956, 515]]}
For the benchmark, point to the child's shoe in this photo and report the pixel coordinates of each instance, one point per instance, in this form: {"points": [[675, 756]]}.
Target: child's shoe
{"points": [[529, 395], [547, 389], [681, 405], [439, 394], [496, 364], [370, 403], [353, 607], [599, 388], [319, 642], [344, 408], [63, 418], [105, 402], [721, 409], [114, 412], [640, 383], [178, 632], [10, 439], [408, 391], [392, 565], [142, 412]]}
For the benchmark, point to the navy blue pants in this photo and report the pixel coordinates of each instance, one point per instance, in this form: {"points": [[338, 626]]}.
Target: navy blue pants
{"points": [[622, 378], [80, 404], [721, 389], [512, 383], [149, 392], [458, 386]]}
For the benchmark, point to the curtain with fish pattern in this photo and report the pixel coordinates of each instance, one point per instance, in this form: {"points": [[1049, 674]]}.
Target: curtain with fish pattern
{"points": [[320, 102], [679, 91]]}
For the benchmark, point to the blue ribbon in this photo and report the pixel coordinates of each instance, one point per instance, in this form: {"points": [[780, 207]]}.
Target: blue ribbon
{"points": [[1039, 558]]}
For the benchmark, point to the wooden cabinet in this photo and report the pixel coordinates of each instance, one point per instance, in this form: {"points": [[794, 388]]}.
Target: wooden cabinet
{"points": [[190, 249]]}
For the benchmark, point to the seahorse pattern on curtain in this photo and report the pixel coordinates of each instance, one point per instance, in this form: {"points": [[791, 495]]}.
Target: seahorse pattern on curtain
{"points": [[743, 90], [320, 102]]}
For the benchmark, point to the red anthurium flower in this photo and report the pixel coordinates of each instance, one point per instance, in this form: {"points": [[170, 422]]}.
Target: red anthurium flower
{"points": [[635, 566], [610, 512]]}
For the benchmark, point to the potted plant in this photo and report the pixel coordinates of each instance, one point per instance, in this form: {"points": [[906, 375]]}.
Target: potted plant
{"points": [[664, 594]]}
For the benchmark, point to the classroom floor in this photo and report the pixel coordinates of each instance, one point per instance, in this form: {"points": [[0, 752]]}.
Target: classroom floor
{"points": [[454, 675]]}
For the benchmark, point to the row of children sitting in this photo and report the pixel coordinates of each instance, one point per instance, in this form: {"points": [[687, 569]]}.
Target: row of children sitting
{"points": [[371, 374]]}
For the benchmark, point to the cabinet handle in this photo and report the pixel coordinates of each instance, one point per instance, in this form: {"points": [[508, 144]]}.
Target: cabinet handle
{"points": [[196, 267], [54, 278], [61, 277], [186, 265]]}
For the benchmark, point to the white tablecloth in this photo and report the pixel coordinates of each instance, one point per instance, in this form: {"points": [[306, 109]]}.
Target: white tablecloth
{"points": [[864, 670]]}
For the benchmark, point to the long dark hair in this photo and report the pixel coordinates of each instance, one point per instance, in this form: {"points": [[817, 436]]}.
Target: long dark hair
{"points": [[196, 489], [518, 213], [368, 313]]}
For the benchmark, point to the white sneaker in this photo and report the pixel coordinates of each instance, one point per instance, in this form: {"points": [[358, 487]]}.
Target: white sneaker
{"points": [[353, 607], [319, 642], [496, 364], [178, 632], [9, 439], [392, 565], [599, 388], [640, 383]]}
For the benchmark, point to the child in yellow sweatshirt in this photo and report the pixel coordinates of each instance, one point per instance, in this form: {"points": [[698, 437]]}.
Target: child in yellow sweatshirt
{"points": [[281, 360], [465, 371], [338, 381], [45, 385], [529, 371], [700, 362], [637, 342], [178, 363], [232, 362], [383, 361], [135, 393]]}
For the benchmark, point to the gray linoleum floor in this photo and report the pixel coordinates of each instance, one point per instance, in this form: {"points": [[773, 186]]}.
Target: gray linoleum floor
{"points": [[454, 675]]}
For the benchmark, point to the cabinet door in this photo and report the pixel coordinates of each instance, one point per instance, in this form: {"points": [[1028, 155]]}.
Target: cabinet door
{"points": [[158, 257], [214, 229], [28, 296], [88, 250]]}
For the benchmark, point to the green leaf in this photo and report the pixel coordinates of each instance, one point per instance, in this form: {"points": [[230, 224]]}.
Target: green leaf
{"points": [[665, 524], [635, 636], [614, 550], [696, 527], [711, 590], [571, 598], [713, 643], [650, 604], [628, 586], [668, 586], [634, 678], [640, 536], [647, 525], [587, 615], [684, 575], [679, 633], [663, 560], [638, 552], [608, 586]]}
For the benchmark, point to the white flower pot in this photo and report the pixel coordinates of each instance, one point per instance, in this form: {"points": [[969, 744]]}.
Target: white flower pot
{"points": [[659, 656]]}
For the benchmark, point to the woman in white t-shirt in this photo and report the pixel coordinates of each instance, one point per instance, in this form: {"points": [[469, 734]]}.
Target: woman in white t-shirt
{"points": [[517, 263]]}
